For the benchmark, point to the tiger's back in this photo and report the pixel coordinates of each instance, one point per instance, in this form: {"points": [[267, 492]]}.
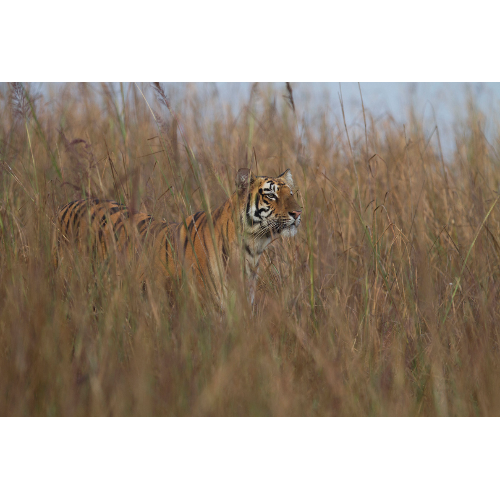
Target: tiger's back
{"points": [[94, 225], [99, 227], [105, 228]]}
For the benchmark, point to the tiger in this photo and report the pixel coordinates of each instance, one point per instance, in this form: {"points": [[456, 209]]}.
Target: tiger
{"points": [[261, 209]]}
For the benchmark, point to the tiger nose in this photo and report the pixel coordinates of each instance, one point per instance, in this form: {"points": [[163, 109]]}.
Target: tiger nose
{"points": [[295, 214]]}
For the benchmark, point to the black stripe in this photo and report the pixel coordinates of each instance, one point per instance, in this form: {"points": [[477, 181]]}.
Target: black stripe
{"points": [[216, 215], [200, 225], [89, 204], [93, 216], [203, 223], [107, 215], [256, 201], [65, 208], [71, 212], [196, 216], [68, 212], [249, 219], [118, 208], [248, 204], [225, 241], [118, 228], [203, 233], [141, 223], [188, 231], [98, 209], [104, 220]]}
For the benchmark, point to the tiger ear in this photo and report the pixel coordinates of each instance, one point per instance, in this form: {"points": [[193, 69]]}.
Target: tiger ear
{"points": [[287, 176], [244, 179]]}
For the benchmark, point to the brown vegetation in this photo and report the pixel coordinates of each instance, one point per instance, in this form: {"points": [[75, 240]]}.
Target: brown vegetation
{"points": [[385, 303]]}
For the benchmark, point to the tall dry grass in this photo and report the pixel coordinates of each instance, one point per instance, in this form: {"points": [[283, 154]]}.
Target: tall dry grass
{"points": [[386, 303]]}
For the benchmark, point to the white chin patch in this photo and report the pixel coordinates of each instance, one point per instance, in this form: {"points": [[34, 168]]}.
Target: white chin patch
{"points": [[289, 232]]}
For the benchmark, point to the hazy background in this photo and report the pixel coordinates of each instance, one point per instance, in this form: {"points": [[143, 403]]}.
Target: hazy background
{"points": [[443, 104], [435, 103]]}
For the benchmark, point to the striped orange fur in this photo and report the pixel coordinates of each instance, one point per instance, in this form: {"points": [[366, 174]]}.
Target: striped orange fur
{"points": [[260, 209]]}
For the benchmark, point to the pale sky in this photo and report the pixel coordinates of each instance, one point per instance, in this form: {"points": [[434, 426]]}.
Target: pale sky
{"points": [[444, 104]]}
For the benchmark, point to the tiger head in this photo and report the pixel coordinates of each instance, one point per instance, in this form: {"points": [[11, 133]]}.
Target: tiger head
{"points": [[268, 206]]}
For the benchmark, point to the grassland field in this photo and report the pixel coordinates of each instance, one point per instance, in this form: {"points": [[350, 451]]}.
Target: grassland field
{"points": [[384, 304]]}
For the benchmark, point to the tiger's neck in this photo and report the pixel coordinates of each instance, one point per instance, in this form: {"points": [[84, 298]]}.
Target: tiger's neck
{"points": [[238, 223], [253, 246]]}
